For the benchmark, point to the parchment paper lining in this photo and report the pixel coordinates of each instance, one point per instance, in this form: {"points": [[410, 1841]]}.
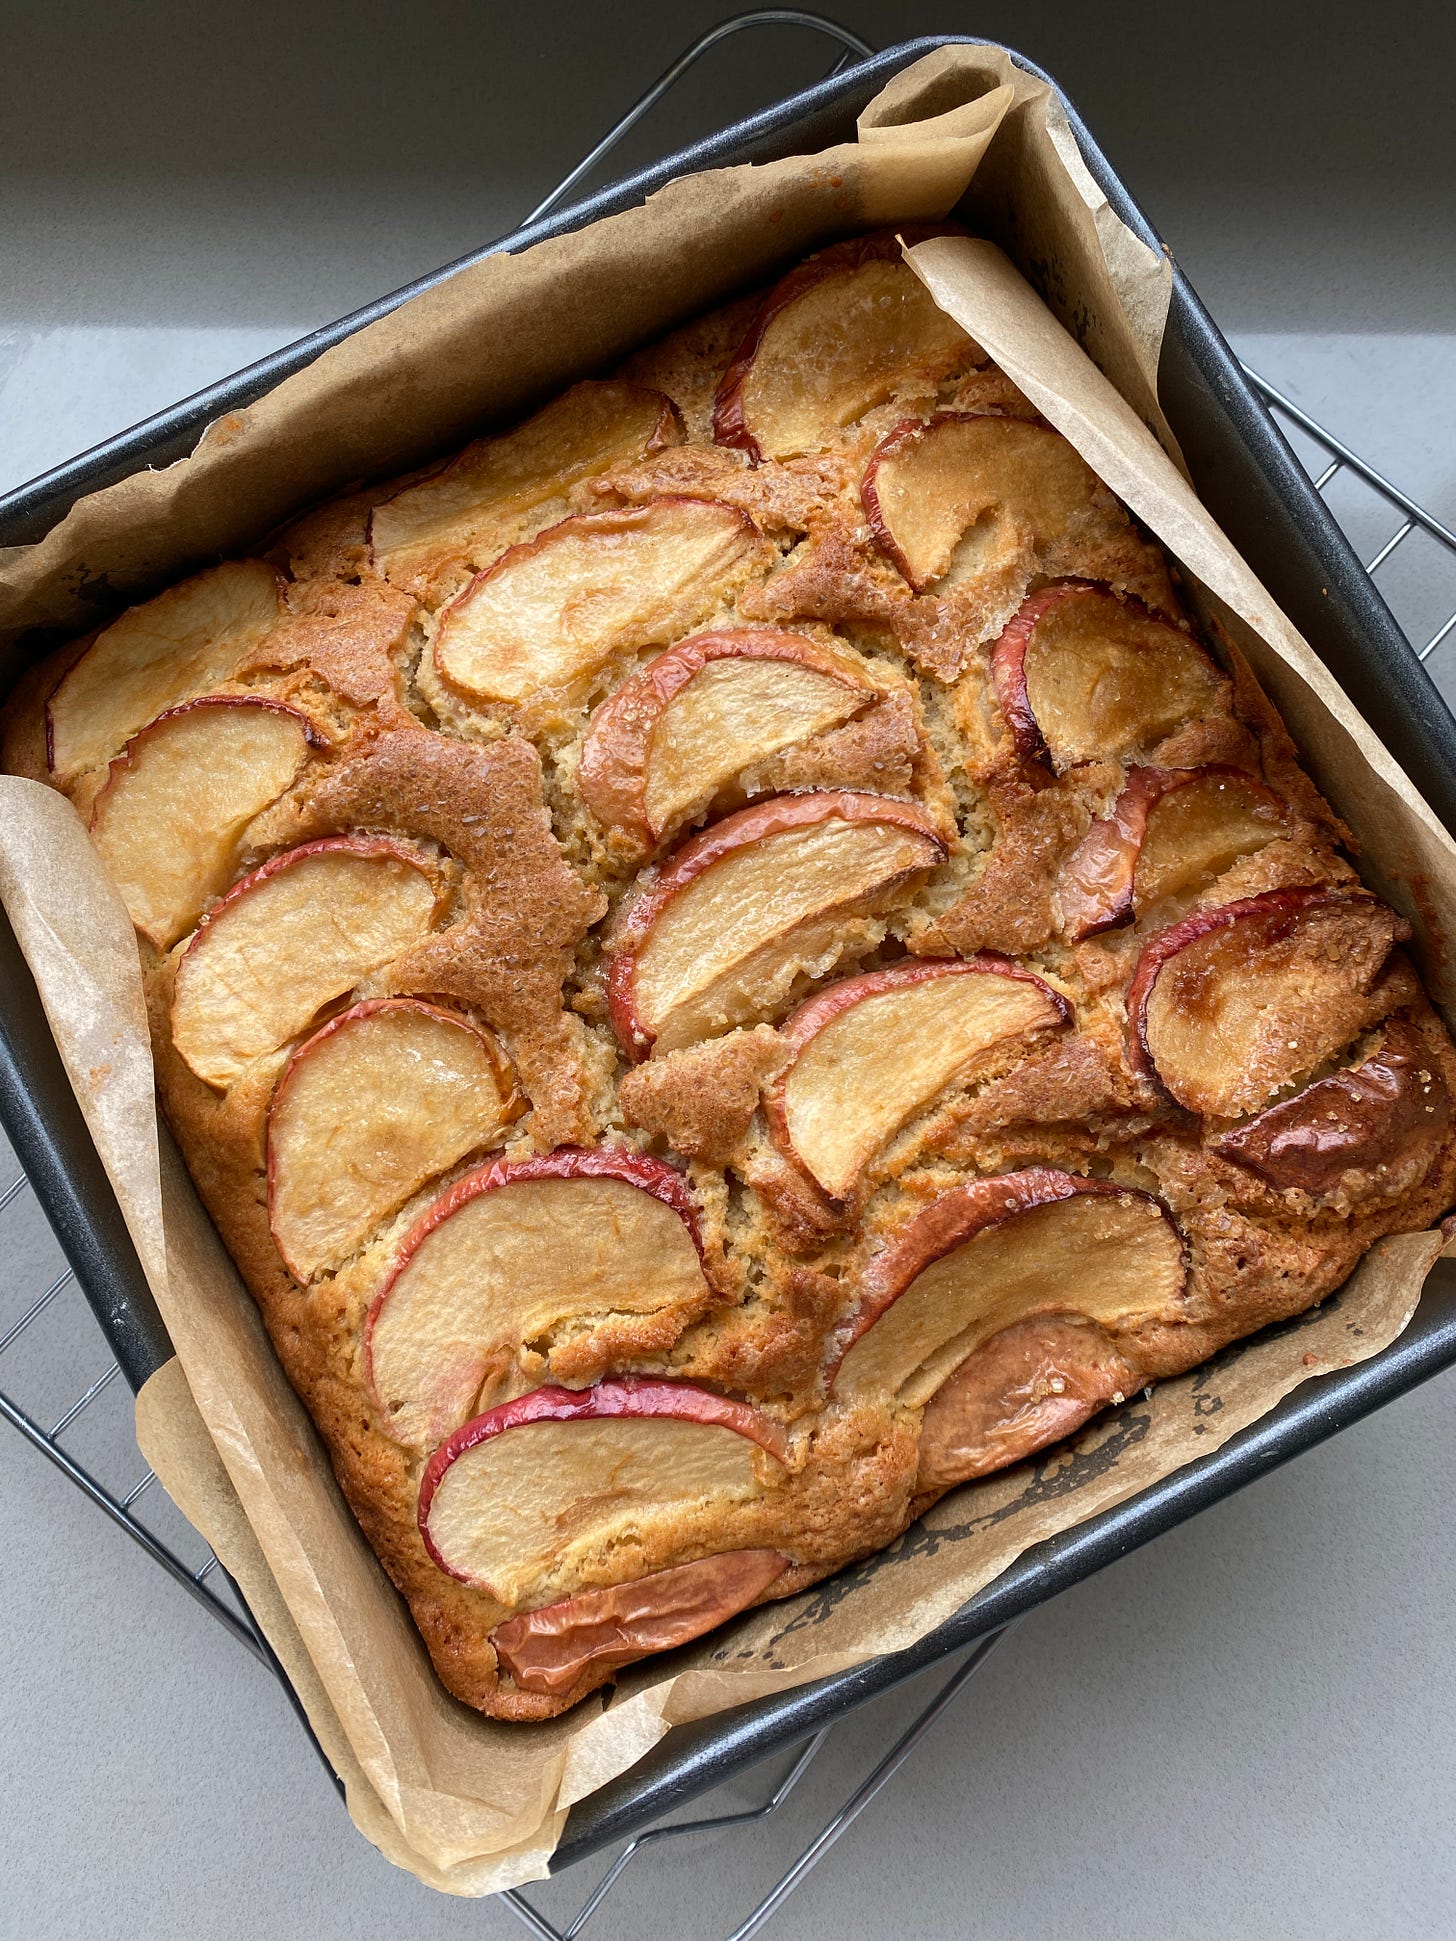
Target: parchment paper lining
{"points": [[468, 1804]]}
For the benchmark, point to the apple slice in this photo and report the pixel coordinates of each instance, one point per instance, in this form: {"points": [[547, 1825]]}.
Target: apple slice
{"points": [[741, 910], [1036, 1382], [1172, 833], [511, 1252], [379, 1100], [1233, 1003], [998, 1251], [553, 613], [840, 334], [291, 937], [944, 495], [551, 1650], [1388, 1116], [155, 657], [870, 1052], [668, 739], [1084, 676], [527, 1496], [179, 796], [458, 513]]}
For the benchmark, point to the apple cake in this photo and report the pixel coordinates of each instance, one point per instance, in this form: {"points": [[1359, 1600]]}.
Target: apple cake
{"points": [[729, 959]]}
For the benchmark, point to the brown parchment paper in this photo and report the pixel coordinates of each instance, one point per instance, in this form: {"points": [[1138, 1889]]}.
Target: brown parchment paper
{"points": [[468, 1804]]}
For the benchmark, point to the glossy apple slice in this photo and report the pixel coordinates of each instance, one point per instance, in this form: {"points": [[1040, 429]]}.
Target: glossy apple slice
{"points": [[668, 739], [511, 1252], [157, 656], [169, 819], [551, 1650], [996, 1252], [1233, 1003], [1035, 1383], [1388, 1116], [840, 334], [718, 937], [379, 1100], [460, 512], [940, 493], [1083, 676], [524, 1497], [1172, 833], [556, 611], [870, 1052], [294, 935]]}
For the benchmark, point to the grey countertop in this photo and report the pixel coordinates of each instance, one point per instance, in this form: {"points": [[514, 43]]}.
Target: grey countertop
{"points": [[1244, 1729]]}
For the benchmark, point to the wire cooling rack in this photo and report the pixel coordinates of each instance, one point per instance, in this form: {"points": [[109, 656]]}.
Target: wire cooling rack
{"points": [[90, 1438]]}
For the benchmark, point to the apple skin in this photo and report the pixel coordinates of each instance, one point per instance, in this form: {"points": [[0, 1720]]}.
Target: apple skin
{"points": [[812, 1016], [753, 824], [1096, 892], [1386, 1112], [628, 1396], [957, 1216], [350, 845], [1166, 944], [729, 425], [614, 753]]}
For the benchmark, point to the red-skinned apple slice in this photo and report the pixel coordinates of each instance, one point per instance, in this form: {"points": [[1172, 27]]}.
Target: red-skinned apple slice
{"points": [[551, 614], [722, 931], [1172, 832], [1084, 676], [1233, 1003], [997, 1251], [179, 796], [521, 1499], [1036, 1382], [157, 656], [379, 1100], [1388, 1115], [668, 739], [937, 493], [288, 939], [458, 512], [551, 1650], [838, 335], [870, 1052], [510, 1252]]}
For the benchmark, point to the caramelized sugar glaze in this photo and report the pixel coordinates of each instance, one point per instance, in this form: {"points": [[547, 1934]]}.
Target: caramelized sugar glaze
{"points": [[728, 960]]}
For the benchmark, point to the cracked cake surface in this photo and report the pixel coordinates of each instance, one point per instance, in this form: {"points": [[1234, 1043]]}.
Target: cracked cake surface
{"points": [[728, 959]]}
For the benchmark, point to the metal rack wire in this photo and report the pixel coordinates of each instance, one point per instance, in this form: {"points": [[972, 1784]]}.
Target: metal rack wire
{"points": [[90, 1439]]}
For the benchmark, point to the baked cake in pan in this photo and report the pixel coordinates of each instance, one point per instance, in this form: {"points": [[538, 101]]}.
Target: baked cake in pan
{"points": [[728, 960]]}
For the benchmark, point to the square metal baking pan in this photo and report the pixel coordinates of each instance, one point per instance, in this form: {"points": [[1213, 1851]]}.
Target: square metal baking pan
{"points": [[1256, 489]]}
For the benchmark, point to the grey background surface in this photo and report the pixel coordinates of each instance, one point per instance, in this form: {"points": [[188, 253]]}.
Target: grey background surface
{"points": [[1244, 1730]]}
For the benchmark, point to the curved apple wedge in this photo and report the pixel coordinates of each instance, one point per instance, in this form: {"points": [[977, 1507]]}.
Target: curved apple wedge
{"points": [[996, 1252], [870, 1052], [157, 656], [1084, 676], [1388, 1117], [471, 508], [527, 1497], [1233, 1003], [308, 926], [551, 614], [668, 740], [179, 796], [840, 334], [379, 1100], [509, 1253], [551, 1650], [945, 495], [1171, 834], [1034, 1383], [742, 910]]}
